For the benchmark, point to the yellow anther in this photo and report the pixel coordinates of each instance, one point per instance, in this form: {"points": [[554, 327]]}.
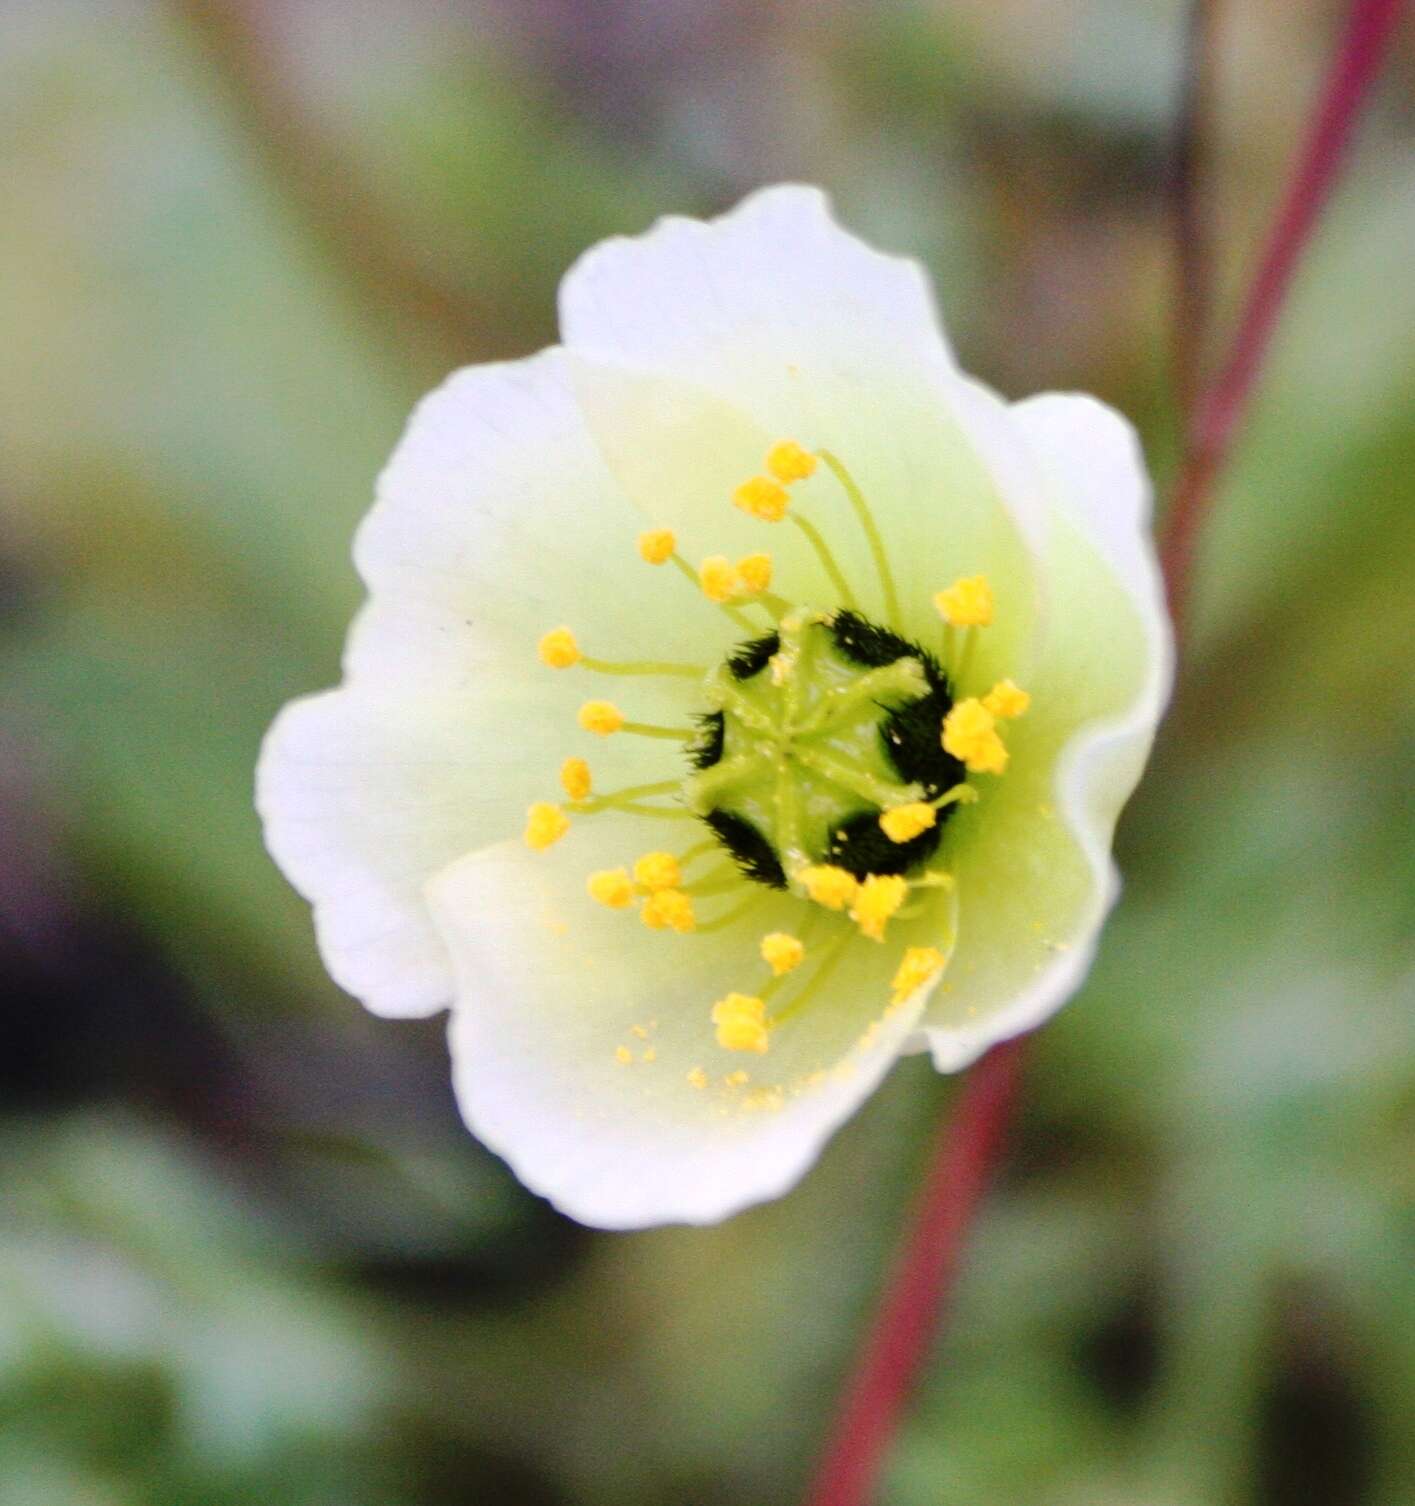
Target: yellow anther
{"points": [[698, 1079], [830, 886], [575, 778], [545, 825], [718, 578], [966, 603], [788, 462], [601, 717], [558, 648], [611, 887], [669, 910], [755, 571], [657, 546], [782, 953], [1006, 699], [623, 1056], [880, 896], [970, 733], [741, 1023], [905, 822], [919, 964], [657, 870], [764, 497]]}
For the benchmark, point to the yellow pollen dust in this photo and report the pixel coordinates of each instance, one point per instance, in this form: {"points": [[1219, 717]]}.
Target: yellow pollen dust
{"points": [[919, 964], [970, 733], [669, 910], [880, 896], [966, 603], [1007, 700], [782, 953], [717, 578], [741, 1023], [764, 497], [623, 1055], [755, 571], [611, 887], [829, 886], [558, 648], [657, 870], [575, 778], [905, 822], [697, 1078], [788, 462], [545, 825], [601, 717], [656, 546]]}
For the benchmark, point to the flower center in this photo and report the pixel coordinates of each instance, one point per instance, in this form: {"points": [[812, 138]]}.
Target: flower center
{"points": [[821, 747]]}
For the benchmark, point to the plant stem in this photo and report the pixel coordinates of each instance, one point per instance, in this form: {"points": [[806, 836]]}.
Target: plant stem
{"points": [[968, 1145], [961, 1163], [1370, 25]]}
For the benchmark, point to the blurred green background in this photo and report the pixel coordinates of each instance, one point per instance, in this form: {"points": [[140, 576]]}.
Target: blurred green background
{"points": [[247, 1253]]}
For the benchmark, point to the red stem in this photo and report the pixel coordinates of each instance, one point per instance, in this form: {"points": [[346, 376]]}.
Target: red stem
{"points": [[968, 1145], [964, 1154], [1370, 24]]}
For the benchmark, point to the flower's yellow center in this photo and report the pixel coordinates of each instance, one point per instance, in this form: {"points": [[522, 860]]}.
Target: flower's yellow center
{"points": [[829, 755]]}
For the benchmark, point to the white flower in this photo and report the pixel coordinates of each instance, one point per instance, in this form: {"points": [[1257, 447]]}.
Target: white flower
{"points": [[558, 575]]}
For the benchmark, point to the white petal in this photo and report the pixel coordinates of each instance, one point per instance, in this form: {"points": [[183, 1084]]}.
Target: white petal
{"points": [[735, 295], [550, 985], [698, 345], [496, 520], [1034, 870]]}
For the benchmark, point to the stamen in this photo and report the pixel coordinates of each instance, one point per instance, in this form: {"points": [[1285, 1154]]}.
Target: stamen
{"points": [[718, 579], [545, 825], [968, 602], [829, 886], [575, 778], [872, 536], [601, 717], [656, 546], [755, 573], [604, 718], [558, 648], [782, 953], [827, 559], [788, 462], [642, 667], [822, 974], [905, 822], [879, 897], [611, 887], [764, 497], [741, 1023], [1007, 700], [919, 964], [669, 909], [970, 734], [686, 570], [658, 870]]}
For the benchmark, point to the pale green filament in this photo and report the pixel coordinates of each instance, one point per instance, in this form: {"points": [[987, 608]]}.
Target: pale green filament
{"points": [[828, 964], [730, 917], [876, 543], [642, 667], [647, 729], [827, 559]]}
